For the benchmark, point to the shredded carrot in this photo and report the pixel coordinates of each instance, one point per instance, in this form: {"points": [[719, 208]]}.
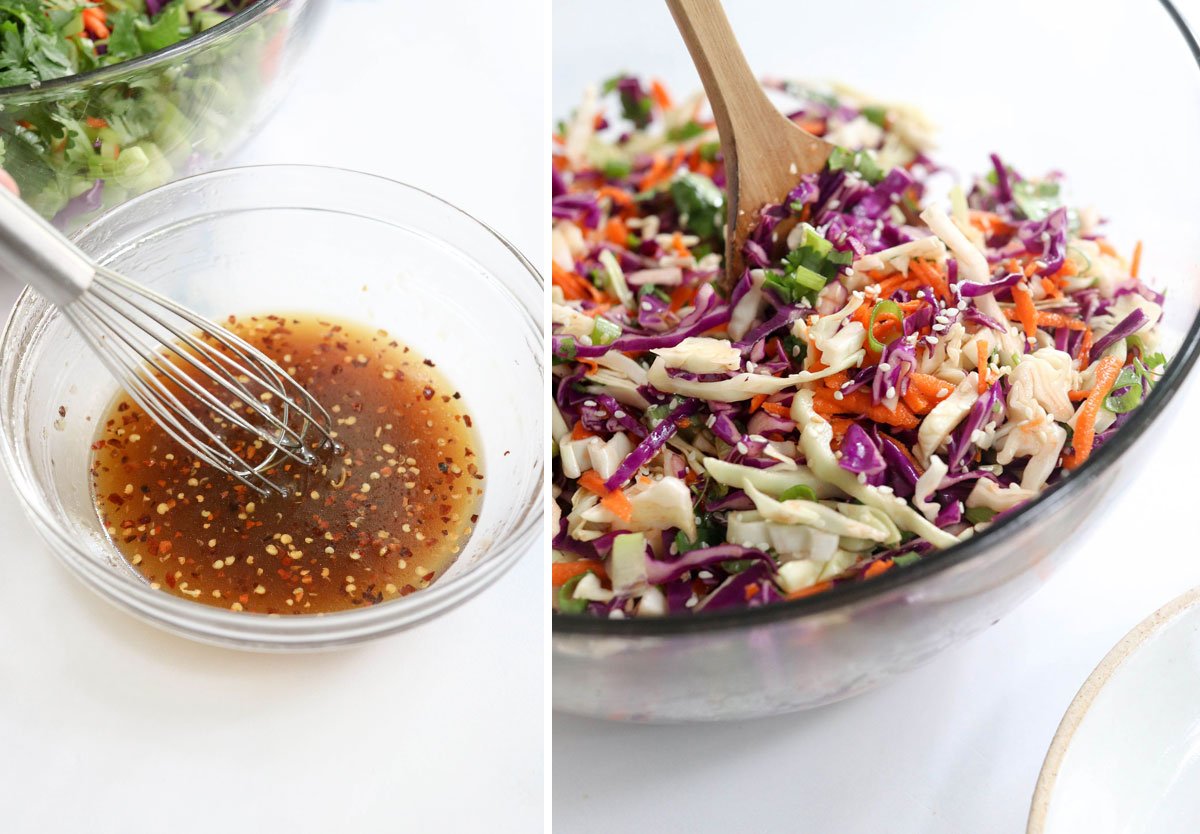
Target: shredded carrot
{"points": [[877, 568], [840, 425], [614, 500], [1136, 263], [677, 244], [592, 365], [617, 503], [573, 286], [616, 232], [751, 590], [930, 386], [836, 380], [924, 392], [1026, 313], [659, 92], [1085, 349], [597, 309], [814, 126], [1055, 320], [592, 482], [888, 286], [1050, 288], [620, 198], [563, 572], [655, 174], [988, 222], [681, 296], [1106, 247], [916, 401], [1107, 370], [981, 355], [96, 122], [814, 358], [778, 409], [859, 403], [1077, 396], [580, 432], [94, 22], [818, 588], [756, 402], [932, 275], [1068, 269]]}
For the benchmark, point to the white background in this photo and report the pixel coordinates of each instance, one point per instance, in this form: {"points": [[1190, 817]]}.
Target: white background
{"points": [[108, 725], [955, 747]]}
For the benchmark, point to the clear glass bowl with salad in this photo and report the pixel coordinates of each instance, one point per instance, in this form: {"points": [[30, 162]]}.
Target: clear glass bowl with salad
{"points": [[721, 452], [102, 101]]}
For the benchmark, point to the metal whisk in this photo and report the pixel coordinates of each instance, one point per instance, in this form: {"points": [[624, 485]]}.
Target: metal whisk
{"points": [[219, 397]]}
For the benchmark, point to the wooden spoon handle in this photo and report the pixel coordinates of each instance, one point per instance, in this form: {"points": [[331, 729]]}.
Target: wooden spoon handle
{"points": [[733, 92]]}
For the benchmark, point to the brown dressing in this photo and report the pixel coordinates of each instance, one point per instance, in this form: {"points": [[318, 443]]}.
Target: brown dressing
{"points": [[385, 516]]}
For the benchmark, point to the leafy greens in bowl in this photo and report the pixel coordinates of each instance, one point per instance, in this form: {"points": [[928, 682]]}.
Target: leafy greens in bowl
{"points": [[103, 101]]}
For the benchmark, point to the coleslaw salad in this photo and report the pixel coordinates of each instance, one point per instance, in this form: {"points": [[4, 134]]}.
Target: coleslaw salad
{"points": [[893, 371]]}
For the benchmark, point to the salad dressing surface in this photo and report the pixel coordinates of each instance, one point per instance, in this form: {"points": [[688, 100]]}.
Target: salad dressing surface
{"points": [[380, 518]]}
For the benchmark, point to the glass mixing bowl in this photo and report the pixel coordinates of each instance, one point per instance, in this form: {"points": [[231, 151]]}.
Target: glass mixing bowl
{"points": [[167, 114], [282, 239], [1041, 110]]}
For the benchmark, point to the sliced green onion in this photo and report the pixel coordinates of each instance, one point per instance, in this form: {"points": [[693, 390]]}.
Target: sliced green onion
{"points": [[875, 114], [808, 279], [882, 307], [615, 169], [605, 332], [566, 350], [1131, 382], [566, 596], [978, 515], [906, 558], [799, 491]]}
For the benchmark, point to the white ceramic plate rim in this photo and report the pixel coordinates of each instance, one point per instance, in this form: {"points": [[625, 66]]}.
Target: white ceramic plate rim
{"points": [[1101, 675]]}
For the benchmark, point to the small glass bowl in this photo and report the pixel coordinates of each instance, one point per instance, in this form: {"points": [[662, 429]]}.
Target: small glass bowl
{"points": [[170, 113], [291, 239]]}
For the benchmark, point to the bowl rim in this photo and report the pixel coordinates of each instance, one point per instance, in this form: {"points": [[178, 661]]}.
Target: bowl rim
{"points": [[259, 631], [1106, 670], [850, 594], [235, 22]]}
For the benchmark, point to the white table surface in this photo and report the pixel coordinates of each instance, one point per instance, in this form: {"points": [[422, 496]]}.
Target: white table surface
{"points": [[952, 748], [108, 725]]}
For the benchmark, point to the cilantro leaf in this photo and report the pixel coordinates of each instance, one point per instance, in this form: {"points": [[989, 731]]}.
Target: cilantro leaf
{"points": [[861, 162], [700, 204]]}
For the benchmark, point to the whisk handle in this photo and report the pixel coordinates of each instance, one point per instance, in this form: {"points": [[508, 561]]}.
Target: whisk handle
{"points": [[34, 252]]}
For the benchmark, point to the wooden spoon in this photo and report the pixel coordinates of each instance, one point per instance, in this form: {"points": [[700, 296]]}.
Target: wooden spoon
{"points": [[765, 152]]}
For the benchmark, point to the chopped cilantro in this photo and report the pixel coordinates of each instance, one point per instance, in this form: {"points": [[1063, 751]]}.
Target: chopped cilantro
{"points": [[700, 204], [687, 130], [1036, 199], [861, 162]]}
